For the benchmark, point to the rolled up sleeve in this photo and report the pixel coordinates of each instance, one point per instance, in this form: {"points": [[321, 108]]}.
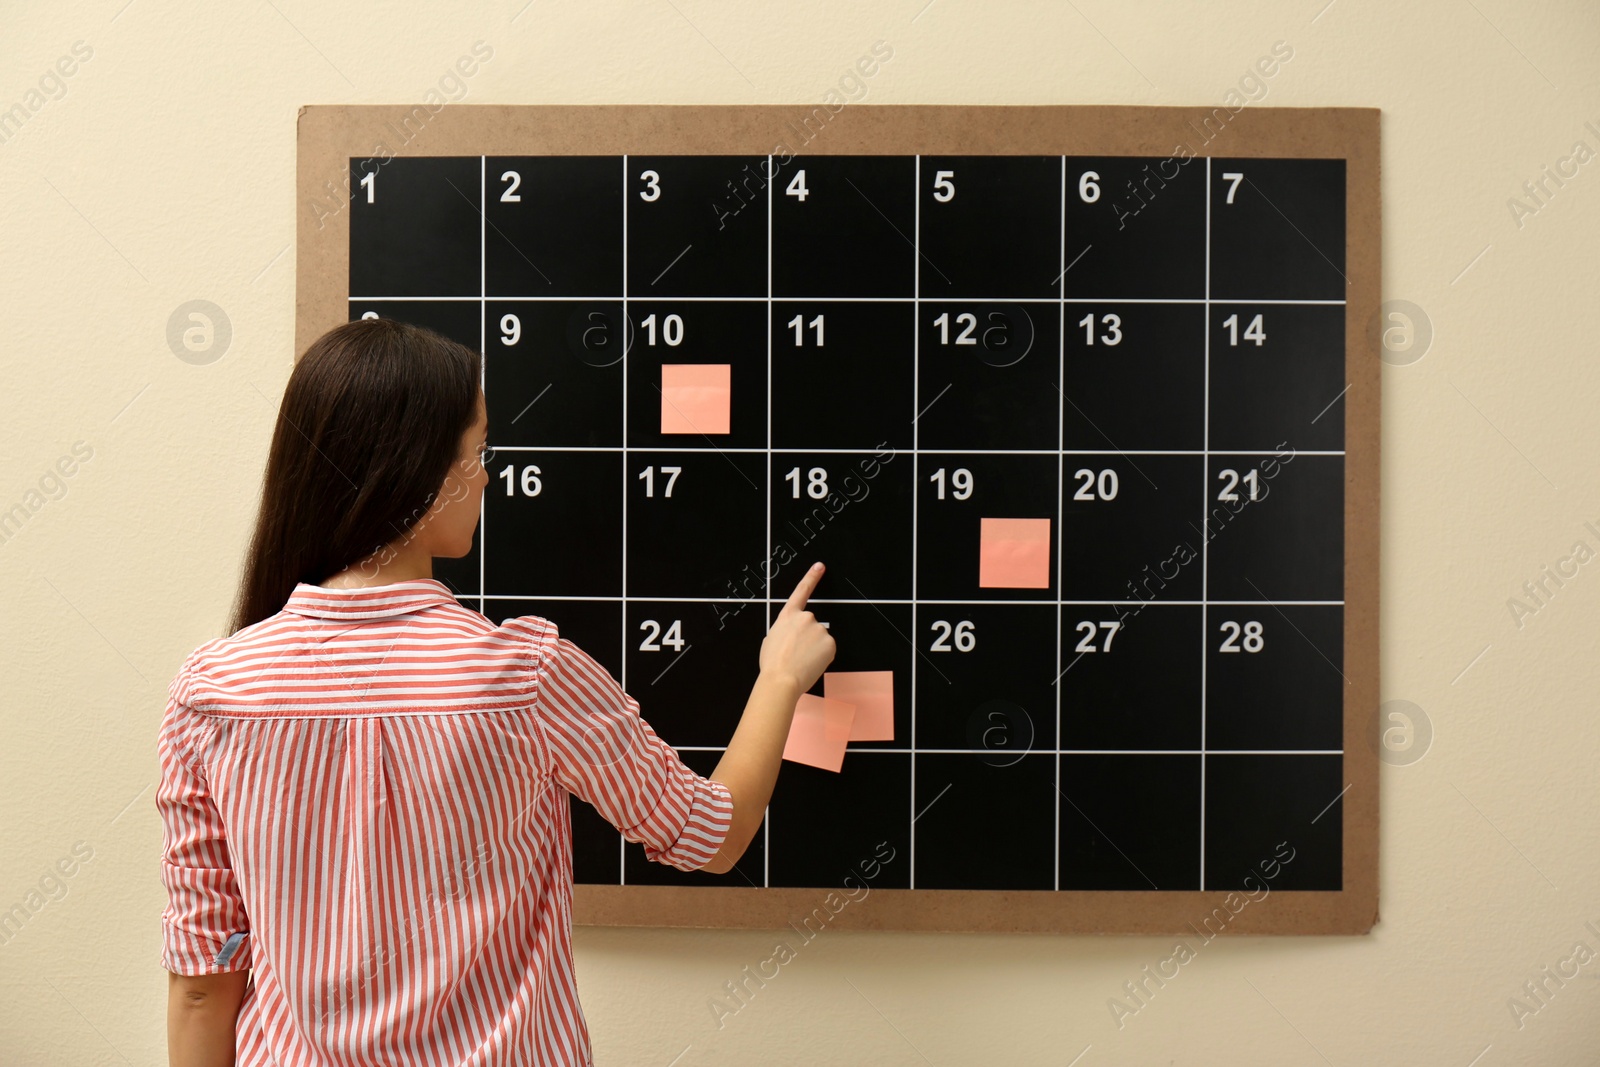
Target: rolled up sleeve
{"points": [[204, 906], [604, 752]]}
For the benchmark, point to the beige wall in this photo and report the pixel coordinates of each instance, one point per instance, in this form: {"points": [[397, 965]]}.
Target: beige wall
{"points": [[161, 171]]}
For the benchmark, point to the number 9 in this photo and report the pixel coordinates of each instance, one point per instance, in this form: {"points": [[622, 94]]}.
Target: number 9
{"points": [[510, 330]]}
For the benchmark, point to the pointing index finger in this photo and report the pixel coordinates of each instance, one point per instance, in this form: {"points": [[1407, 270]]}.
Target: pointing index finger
{"points": [[802, 592]]}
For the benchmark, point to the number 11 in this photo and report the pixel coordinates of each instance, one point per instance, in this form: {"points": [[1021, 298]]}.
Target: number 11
{"points": [[799, 331]]}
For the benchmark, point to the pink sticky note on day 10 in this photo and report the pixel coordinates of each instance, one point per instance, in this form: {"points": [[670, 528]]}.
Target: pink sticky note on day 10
{"points": [[696, 397], [872, 692], [819, 732], [1014, 554]]}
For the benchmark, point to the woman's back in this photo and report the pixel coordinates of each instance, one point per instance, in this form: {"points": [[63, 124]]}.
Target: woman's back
{"points": [[373, 785]]}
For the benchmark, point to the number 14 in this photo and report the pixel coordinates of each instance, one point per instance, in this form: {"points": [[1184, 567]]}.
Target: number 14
{"points": [[1253, 332]]}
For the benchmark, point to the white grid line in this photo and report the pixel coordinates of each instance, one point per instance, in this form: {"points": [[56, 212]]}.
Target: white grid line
{"points": [[766, 564], [858, 299], [918, 451], [1061, 440], [483, 356], [921, 602], [1205, 506], [622, 842], [916, 484], [986, 753]]}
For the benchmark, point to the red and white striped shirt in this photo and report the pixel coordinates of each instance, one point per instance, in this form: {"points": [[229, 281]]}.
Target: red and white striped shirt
{"points": [[364, 800]]}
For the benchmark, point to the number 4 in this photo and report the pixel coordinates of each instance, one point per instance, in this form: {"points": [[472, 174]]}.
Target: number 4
{"points": [[797, 186]]}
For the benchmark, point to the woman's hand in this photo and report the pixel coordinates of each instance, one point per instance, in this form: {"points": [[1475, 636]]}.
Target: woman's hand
{"points": [[798, 647]]}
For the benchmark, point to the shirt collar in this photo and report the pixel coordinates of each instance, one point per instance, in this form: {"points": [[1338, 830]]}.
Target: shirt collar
{"points": [[368, 602]]}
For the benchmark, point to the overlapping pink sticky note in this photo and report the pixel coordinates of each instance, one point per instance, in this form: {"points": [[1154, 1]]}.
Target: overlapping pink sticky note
{"points": [[872, 692], [696, 397], [819, 732], [1014, 554]]}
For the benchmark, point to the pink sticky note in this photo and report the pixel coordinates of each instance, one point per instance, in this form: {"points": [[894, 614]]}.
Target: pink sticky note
{"points": [[695, 397], [1014, 554], [872, 692], [819, 732]]}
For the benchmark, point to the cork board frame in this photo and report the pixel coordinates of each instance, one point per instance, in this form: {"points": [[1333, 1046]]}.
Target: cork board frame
{"points": [[329, 136]]}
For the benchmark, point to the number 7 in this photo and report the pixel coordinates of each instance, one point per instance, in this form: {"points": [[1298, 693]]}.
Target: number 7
{"points": [[1237, 178]]}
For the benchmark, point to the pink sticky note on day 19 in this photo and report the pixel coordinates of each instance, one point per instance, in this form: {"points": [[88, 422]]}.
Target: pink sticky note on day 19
{"points": [[696, 397], [872, 692], [1014, 554], [819, 732]]}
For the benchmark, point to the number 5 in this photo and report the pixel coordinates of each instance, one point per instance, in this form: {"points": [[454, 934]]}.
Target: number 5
{"points": [[944, 190]]}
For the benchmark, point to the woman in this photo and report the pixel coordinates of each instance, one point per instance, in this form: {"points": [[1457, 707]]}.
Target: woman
{"points": [[364, 788]]}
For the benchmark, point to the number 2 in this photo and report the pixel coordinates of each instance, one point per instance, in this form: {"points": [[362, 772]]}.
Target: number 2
{"points": [[511, 196]]}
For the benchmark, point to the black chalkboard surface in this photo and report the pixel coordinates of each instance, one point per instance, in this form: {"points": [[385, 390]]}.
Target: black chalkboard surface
{"points": [[1068, 430]]}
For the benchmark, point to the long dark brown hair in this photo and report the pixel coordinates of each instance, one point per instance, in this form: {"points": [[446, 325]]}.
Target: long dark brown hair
{"points": [[370, 424]]}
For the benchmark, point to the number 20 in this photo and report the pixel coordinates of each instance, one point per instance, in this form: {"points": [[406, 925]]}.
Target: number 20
{"points": [[1104, 484]]}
